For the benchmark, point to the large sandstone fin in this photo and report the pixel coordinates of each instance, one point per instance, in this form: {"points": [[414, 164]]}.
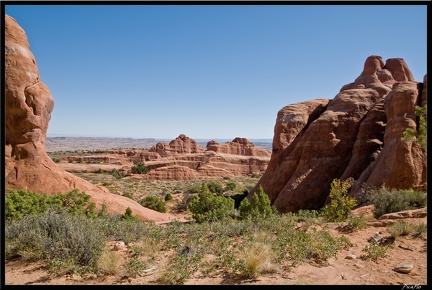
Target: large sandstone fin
{"points": [[357, 136]]}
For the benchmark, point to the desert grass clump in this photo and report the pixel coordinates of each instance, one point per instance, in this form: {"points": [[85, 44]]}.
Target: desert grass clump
{"points": [[110, 263], [257, 260], [357, 223], [404, 229], [373, 251], [388, 200], [134, 266]]}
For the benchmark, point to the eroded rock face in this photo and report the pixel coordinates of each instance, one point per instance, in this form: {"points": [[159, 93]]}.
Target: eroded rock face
{"points": [[238, 146], [180, 145], [28, 107], [355, 135]]}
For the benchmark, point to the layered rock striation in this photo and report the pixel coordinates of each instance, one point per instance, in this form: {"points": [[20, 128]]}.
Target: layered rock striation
{"points": [[183, 159], [356, 135]]}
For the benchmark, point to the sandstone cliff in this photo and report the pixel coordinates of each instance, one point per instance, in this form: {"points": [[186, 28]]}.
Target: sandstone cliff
{"points": [[357, 135], [29, 104]]}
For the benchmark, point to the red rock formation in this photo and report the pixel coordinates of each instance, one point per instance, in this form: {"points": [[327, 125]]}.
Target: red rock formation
{"points": [[28, 107], [238, 146], [180, 145], [355, 135]]}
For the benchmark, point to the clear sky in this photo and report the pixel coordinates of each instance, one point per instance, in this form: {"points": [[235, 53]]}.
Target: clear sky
{"points": [[207, 71]]}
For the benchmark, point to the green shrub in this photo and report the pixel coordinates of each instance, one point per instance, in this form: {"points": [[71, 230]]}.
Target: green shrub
{"points": [[258, 208], [139, 168], [419, 135], [206, 207], [19, 203], [154, 203], [168, 197], [341, 204], [387, 200], [214, 187], [128, 215], [373, 251], [230, 186], [116, 173]]}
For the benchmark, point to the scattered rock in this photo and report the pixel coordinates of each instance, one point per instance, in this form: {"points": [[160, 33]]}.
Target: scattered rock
{"points": [[386, 241], [119, 246], [405, 269], [350, 257], [346, 229], [406, 247], [186, 251], [382, 223], [358, 265]]}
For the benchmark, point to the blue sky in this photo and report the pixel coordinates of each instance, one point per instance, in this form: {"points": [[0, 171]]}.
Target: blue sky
{"points": [[207, 71]]}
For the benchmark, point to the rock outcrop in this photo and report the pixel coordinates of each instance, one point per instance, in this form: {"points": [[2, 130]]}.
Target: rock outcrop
{"points": [[180, 145], [238, 146], [356, 135], [183, 159], [28, 107]]}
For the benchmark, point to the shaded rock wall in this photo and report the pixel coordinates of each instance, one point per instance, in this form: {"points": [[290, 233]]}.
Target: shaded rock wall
{"points": [[357, 135]]}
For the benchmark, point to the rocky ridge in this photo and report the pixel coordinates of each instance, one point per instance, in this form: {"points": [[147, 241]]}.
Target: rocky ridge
{"points": [[181, 159], [354, 136]]}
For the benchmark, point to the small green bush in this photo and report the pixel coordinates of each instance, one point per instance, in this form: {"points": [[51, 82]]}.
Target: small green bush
{"points": [[341, 204], [168, 197], [128, 215], [373, 251], [230, 186], [139, 168], [154, 203], [206, 207], [116, 173], [214, 187], [387, 200], [258, 208]]}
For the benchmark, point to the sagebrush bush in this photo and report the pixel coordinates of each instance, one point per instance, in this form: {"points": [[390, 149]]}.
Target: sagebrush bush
{"points": [[55, 235], [386, 200], [340, 203], [154, 203]]}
